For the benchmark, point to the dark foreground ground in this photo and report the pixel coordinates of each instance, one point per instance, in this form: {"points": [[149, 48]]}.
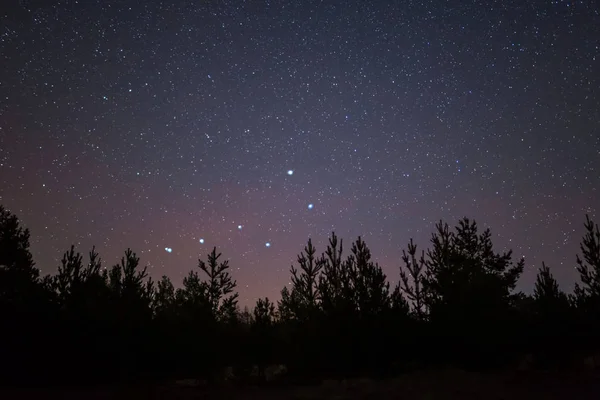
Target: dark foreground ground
{"points": [[449, 384]]}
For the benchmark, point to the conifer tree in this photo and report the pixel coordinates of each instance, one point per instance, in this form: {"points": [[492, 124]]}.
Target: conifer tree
{"points": [[464, 271], [335, 286], [164, 296], [16, 261], [398, 303], [589, 266], [263, 324], [287, 305], [129, 283], [74, 280], [305, 291], [551, 324], [411, 277], [264, 312], [546, 289], [220, 287], [24, 303], [370, 287], [468, 292]]}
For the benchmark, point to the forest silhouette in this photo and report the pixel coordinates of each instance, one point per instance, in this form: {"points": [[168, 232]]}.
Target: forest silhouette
{"points": [[455, 305]]}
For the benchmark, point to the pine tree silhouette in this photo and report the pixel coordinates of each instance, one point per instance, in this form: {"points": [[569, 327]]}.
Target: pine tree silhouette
{"points": [[586, 296], [550, 324], [82, 296], [25, 304], [220, 287], [411, 279], [164, 297], [468, 290], [130, 303], [302, 302], [335, 285], [16, 261], [589, 266], [264, 313], [370, 287], [546, 290], [263, 329], [287, 305]]}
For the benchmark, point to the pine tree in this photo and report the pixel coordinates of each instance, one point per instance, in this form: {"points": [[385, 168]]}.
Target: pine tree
{"points": [[73, 280], [25, 307], [264, 340], [551, 325], [370, 287], [462, 270], [131, 287], [589, 266], [16, 261], [335, 286], [164, 296], [287, 305], [220, 287], [411, 279], [546, 289], [468, 292], [305, 293], [131, 305], [264, 313]]}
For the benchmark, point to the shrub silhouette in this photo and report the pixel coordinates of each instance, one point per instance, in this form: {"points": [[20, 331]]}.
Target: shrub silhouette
{"points": [[455, 303]]}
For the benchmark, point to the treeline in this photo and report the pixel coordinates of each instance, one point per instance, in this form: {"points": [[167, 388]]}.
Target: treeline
{"points": [[455, 304]]}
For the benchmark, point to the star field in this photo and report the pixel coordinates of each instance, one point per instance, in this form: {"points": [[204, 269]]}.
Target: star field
{"points": [[173, 127]]}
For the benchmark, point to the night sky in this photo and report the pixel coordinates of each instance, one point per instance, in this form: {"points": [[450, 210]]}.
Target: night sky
{"points": [[173, 127]]}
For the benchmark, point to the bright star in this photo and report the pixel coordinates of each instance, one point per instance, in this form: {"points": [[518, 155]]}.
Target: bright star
{"points": [[268, 244], [202, 241], [290, 172], [240, 227], [311, 206], [168, 249]]}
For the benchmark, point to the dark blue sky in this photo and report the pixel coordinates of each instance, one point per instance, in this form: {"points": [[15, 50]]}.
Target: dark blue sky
{"points": [[156, 124]]}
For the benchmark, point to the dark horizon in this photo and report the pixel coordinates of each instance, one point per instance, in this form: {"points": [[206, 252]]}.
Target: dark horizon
{"points": [[456, 306]]}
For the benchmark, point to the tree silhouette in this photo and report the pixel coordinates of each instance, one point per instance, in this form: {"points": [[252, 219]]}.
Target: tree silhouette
{"points": [[589, 266], [370, 287], [467, 290], [220, 286], [547, 292], [131, 294], [15, 257], [164, 297], [411, 279], [264, 313], [462, 266], [455, 304], [335, 285], [550, 312], [26, 306], [305, 292], [287, 305], [72, 277], [586, 296], [263, 329]]}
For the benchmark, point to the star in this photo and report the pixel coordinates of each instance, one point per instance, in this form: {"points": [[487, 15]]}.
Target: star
{"points": [[201, 241]]}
